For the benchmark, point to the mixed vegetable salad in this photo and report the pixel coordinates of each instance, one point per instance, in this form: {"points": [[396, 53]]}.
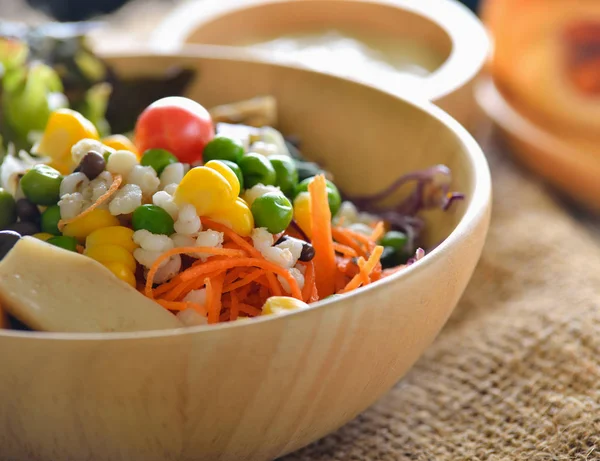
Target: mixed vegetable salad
{"points": [[211, 220], [190, 217]]}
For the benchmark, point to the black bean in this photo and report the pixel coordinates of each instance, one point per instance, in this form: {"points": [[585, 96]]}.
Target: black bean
{"points": [[308, 252], [8, 239], [92, 164], [27, 211], [281, 239], [25, 228]]}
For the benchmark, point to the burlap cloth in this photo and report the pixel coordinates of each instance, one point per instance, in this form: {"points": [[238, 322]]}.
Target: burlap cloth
{"points": [[515, 374]]}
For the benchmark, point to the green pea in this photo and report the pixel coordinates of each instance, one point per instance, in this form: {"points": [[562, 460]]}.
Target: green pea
{"points": [[106, 155], [333, 194], [273, 211], [223, 148], [236, 169], [152, 218], [8, 209], [287, 173], [394, 239], [50, 218], [307, 169], [67, 243], [257, 170], [41, 185], [158, 159]]}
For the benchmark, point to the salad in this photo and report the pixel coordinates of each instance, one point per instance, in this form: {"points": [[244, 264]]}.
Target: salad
{"points": [[197, 217]]}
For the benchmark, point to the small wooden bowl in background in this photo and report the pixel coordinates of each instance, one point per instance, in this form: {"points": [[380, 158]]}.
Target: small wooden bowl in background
{"points": [[258, 389], [446, 27]]}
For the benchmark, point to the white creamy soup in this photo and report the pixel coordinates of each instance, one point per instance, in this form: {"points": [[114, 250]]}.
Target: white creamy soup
{"points": [[385, 61]]}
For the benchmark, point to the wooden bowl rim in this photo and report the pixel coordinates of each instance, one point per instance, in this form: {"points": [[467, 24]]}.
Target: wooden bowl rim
{"points": [[470, 41], [476, 210], [508, 118]]}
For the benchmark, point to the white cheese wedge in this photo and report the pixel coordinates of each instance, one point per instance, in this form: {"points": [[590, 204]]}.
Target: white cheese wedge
{"points": [[51, 289]]}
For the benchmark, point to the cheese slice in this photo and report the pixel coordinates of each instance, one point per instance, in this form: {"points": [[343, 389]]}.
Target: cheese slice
{"points": [[52, 289]]}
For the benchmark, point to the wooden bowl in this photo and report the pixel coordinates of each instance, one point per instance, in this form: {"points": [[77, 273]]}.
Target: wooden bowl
{"points": [[569, 163], [446, 28], [256, 390]]}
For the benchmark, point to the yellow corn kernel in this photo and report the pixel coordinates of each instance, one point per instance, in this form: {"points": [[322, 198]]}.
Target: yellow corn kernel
{"points": [[227, 173], [106, 254], [122, 272], [43, 236], [280, 304], [64, 129], [238, 217], [206, 189], [302, 213], [120, 142], [114, 235], [88, 223]]}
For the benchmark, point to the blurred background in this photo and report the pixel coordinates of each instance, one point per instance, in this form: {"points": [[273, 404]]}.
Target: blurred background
{"points": [[77, 10]]}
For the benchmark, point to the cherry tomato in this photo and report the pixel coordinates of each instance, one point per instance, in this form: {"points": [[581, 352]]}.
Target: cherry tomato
{"points": [[177, 124]]}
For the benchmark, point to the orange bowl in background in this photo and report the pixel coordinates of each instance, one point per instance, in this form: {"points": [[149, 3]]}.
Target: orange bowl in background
{"points": [[544, 93]]}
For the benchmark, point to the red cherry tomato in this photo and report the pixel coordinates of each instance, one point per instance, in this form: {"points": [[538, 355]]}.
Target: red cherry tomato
{"points": [[177, 124]]}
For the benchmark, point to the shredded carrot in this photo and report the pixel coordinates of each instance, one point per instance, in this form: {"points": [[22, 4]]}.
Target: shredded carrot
{"points": [[234, 309], [183, 288], [214, 291], [250, 310], [176, 251], [324, 260], [309, 280], [344, 249], [117, 180], [341, 281], [274, 284], [364, 275], [378, 231], [243, 243], [230, 263], [249, 278], [341, 236], [357, 280]]}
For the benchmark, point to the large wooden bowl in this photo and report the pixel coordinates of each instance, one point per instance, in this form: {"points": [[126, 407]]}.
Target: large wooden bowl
{"points": [[257, 390], [446, 27]]}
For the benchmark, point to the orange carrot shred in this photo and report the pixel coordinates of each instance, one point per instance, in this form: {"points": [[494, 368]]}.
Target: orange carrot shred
{"points": [[324, 260], [230, 263], [117, 180], [175, 251], [344, 249], [357, 280], [364, 276], [243, 281], [341, 236], [250, 310], [234, 309], [243, 243], [309, 280], [378, 231], [215, 295]]}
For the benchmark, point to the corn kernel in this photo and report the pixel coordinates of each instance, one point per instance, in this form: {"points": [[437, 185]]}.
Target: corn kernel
{"points": [[107, 254], [120, 142], [281, 304], [206, 189], [227, 173], [65, 128], [88, 223], [238, 217], [302, 213], [114, 235], [43, 236], [122, 272]]}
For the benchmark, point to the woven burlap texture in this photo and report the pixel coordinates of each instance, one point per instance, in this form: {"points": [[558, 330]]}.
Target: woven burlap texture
{"points": [[515, 374]]}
